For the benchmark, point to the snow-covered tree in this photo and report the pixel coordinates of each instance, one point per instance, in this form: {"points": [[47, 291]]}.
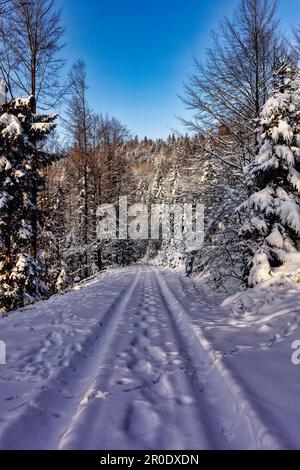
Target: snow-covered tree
{"points": [[62, 281], [273, 228], [22, 134]]}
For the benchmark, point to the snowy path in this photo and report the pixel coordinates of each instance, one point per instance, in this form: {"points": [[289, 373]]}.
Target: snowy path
{"points": [[122, 364]]}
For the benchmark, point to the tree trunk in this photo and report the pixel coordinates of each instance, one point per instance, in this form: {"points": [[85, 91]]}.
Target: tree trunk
{"points": [[7, 251], [34, 217]]}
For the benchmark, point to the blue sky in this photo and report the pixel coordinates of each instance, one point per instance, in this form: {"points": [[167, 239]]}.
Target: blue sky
{"points": [[138, 53]]}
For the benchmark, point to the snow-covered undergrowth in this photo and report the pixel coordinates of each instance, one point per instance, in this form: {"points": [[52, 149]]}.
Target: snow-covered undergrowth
{"points": [[280, 292], [169, 259]]}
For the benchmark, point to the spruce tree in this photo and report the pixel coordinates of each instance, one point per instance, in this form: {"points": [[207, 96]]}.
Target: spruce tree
{"points": [[273, 228], [22, 136]]}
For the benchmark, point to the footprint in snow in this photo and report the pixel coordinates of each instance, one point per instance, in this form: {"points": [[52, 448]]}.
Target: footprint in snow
{"points": [[142, 421]]}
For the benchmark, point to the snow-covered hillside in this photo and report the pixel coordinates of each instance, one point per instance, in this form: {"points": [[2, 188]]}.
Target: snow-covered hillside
{"points": [[143, 359]]}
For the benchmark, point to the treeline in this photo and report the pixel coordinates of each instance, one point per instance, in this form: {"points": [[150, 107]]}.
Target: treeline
{"points": [[111, 166]]}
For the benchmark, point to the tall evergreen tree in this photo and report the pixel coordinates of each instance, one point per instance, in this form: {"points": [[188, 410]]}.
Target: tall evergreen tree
{"points": [[22, 135], [273, 229]]}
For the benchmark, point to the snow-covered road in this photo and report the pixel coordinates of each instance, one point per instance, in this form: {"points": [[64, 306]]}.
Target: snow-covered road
{"points": [[125, 363]]}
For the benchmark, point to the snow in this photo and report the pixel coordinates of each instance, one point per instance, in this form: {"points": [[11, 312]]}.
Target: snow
{"points": [[4, 199], [261, 269], [273, 105], [19, 174], [266, 152], [262, 199], [259, 224], [24, 233], [61, 280], [141, 359], [23, 102], [283, 130], [290, 271], [275, 238], [42, 127], [276, 203], [287, 209], [3, 91], [294, 178], [284, 152], [12, 125], [4, 164]]}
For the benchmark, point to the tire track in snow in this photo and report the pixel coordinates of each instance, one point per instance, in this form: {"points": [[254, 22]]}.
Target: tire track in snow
{"points": [[40, 412], [169, 396], [225, 395], [151, 407], [73, 428]]}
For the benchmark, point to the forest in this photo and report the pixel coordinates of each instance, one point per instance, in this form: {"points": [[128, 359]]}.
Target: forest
{"points": [[240, 158]]}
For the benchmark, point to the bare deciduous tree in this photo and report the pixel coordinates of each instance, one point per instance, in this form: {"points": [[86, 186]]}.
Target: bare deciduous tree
{"points": [[95, 161], [227, 91], [31, 36]]}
